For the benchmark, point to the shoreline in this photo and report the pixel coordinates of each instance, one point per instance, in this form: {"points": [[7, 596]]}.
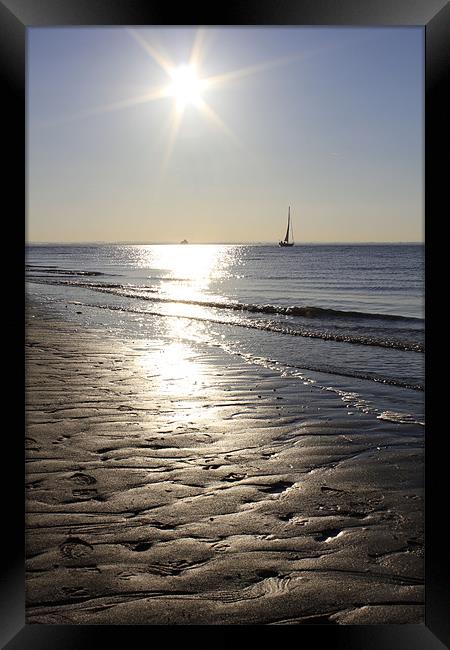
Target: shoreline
{"points": [[165, 487]]}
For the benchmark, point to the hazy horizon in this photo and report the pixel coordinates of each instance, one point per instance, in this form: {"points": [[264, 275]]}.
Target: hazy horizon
{"points": [[125, 146], [219, 243]]}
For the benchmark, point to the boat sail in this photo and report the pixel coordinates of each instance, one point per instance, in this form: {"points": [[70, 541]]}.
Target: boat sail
{"points": [[285, 242]]}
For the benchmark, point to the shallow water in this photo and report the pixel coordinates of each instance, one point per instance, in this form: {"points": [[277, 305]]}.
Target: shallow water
{"points": [[349, 318]]}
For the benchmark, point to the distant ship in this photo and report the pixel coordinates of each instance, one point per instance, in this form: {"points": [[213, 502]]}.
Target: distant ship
{"points": [[285, 242], [185, 241]]}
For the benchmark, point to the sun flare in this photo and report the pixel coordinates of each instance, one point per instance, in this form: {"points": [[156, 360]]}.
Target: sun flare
{"points": [[186, 87]]}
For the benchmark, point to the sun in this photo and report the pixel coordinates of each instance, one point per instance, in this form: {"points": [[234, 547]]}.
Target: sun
{"points": [[186, 87]]}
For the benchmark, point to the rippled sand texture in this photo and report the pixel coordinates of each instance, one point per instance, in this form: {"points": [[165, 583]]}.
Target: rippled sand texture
{"points": [[210, 491]]}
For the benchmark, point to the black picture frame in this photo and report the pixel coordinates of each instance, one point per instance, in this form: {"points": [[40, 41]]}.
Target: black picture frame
{"points": [[18, 15]]}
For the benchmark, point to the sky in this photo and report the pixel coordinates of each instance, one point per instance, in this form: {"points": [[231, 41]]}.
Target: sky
{"points": [[162, 134]]}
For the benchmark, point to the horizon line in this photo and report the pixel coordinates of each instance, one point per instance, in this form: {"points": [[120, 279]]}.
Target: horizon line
{"points": [[209, 243]]}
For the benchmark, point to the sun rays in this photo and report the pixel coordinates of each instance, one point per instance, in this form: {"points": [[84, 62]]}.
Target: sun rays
{"points": [[185, 87]]}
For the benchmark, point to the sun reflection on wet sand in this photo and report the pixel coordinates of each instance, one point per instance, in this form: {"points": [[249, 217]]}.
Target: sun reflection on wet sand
{"points": [[174, 367]]}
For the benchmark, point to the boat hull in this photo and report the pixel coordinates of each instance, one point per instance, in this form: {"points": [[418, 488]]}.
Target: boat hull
{"points": [[284, 244]]}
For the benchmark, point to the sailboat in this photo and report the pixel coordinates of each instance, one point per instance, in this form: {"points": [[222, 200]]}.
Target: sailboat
{"points": [[285, 242]]}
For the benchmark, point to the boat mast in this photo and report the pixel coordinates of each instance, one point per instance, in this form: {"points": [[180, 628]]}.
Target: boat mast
{"points": [[286, 239]]}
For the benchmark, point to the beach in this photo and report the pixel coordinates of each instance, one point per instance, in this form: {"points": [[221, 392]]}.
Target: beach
{"points": [[209, 490]]}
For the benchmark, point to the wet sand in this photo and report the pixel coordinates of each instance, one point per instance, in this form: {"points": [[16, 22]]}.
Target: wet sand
{"points": [[209, 491]]}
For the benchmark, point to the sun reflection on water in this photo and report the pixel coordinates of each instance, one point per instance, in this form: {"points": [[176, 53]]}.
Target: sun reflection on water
{"points": [[187, 270], [182, 273]]}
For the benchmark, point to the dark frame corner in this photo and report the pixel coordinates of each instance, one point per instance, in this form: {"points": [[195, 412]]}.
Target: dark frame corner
{"points": [[16, 16]]}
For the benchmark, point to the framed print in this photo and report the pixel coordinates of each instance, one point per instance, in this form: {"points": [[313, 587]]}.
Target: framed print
{"points": [[227, 400]]}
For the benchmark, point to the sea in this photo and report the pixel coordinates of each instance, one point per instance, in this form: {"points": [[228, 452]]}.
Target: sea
{"points": [[344, 318]]}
